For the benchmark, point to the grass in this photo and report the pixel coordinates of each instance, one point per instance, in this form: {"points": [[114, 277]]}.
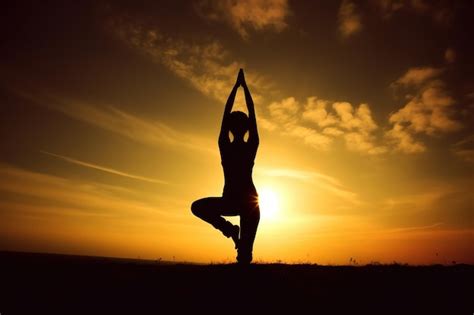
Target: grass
{"points": [[60, 284]]}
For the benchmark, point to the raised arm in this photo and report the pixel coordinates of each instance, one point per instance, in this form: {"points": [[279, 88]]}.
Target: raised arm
{"points": [[224, 134], [253, 131]]}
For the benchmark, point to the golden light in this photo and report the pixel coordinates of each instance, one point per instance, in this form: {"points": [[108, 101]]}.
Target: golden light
{"points": [[269, 203]]}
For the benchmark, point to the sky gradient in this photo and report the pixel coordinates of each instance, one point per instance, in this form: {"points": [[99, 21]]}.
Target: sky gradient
{"points": [[110, 113]]}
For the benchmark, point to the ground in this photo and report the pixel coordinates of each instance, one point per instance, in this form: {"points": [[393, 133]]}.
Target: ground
{"points": [[62, 284]]}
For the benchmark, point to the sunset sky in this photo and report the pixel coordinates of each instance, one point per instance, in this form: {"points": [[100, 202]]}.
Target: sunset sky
{"points": [[110, 113]]}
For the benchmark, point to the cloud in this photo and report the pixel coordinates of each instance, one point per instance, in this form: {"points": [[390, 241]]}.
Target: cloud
{"points": [[284, 111], [244, 15], [205, 65], [403, 140], [209, 69], [360, 119], [450, 55], [359, 126], [324, 181], [316, 112], [106, 169], [364, 143], [286, 114], [356, 125], [349, 19], [417, 76], [415, 228], [120, 122], [388, 7], [464, 149], [310, 136], [440, 11], [438, 203], [266, 123], [74, 197], [320, 121], [330, 131], [293, 173], [429, 111], [39, 209]]}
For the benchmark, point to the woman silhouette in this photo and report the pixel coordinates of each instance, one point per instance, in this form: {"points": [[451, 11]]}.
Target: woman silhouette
{"points": [[239, 196]]}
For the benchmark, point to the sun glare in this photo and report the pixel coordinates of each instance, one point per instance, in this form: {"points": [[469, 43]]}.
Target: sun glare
{"points": [[268, 201]]}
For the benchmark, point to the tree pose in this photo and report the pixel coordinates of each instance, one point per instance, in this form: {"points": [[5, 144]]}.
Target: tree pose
{"points": [[239, 197]]}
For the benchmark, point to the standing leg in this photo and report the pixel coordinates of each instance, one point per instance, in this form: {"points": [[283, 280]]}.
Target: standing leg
{"points": [[249, 218], [211, 210]]}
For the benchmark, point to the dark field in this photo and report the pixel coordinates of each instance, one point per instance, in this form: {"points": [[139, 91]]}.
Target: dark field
{"points": [[60, 284]]}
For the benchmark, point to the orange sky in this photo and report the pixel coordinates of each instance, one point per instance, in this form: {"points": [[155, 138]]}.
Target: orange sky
{"points": [[110, 115]]}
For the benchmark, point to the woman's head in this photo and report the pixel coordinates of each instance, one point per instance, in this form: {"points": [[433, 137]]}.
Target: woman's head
{"points": [[238, 124]]}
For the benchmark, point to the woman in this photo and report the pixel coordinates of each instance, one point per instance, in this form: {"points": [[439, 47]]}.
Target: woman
{"points": [[239, 196]]}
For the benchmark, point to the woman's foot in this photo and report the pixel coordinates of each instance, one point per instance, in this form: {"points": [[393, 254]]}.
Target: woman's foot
{"points": [[244, 258], [235, 235], [233, 231]]}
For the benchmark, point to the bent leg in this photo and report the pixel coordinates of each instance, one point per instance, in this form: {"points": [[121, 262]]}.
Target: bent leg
{"points": [[211, 210], [249, 219]]}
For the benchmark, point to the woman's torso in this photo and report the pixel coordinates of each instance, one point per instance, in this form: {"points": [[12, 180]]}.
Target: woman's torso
{"points": [[237, 163]]}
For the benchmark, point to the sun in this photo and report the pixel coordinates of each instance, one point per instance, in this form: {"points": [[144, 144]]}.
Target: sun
{"points": [[269, 203]]}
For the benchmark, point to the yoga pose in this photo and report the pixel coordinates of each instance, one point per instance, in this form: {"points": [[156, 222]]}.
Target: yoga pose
{"points": [[239, 196]]}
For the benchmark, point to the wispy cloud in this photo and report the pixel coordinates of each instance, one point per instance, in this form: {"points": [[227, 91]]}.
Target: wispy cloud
{"points": [[415, 228], [106, 169], [435, 203], [41, 211], [464, 149], [246, 14], [440, 11], [77, 196], [349, 19], [206, 65], [118, 121], [324, 181]]}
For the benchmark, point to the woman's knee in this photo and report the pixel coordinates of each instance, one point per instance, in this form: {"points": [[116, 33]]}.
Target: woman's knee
{"points": [[206, 207], [196, 208]]}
